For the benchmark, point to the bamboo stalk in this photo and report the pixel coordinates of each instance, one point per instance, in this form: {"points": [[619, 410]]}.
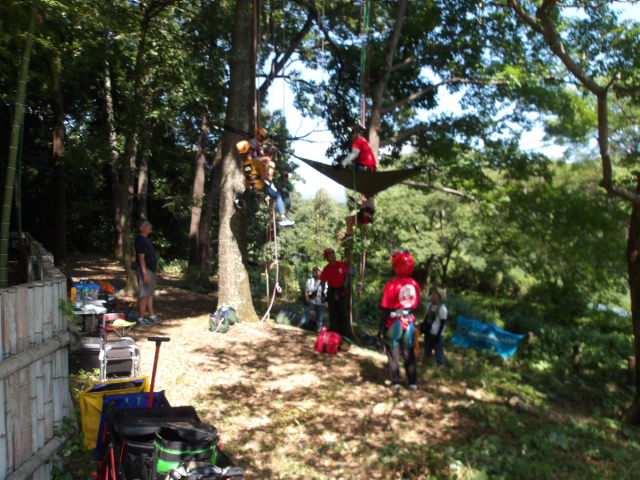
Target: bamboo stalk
{"points": [[3, 338], [30, 320], [48, 393], [59, 320], [38, 313], [47, 309], [18, 120], [58, 389], [10, 333], [11, 385], [21, 319], [24, 427], [4, 447]]}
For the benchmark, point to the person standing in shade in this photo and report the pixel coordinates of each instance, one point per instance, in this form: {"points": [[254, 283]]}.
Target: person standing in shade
{"points": [[397, 322], [336, 274], [315, 292], [433, 327], [147, 263]]}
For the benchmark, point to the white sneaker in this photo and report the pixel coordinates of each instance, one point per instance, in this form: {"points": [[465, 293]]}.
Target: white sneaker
{"points": [[285, 222], [413, 387], [396, 387]]}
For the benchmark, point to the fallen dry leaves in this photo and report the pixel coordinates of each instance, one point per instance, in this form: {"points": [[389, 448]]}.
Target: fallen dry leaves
{"points": [[283, 410]]}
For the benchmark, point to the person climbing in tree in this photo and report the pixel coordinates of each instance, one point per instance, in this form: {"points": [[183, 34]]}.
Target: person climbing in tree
{"points": [[336, 274], [433, 327], [258, 173], [397, 322], [361, 152], [366, 211]]}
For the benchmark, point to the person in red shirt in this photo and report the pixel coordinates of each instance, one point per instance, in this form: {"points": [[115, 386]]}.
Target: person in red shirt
{"points": [[361, 152], [397, 322], [336, 274]]}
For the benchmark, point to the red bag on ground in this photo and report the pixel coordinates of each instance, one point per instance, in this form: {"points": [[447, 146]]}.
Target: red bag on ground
{"points": [[328, 342]]}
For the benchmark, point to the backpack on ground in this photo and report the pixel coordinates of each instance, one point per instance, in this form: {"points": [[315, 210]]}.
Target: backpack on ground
{"points": [[222, 319], [328, 342], [286, 317]]}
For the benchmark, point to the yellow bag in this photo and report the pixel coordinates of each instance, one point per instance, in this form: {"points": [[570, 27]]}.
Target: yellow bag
{"points": [[91, 401]]}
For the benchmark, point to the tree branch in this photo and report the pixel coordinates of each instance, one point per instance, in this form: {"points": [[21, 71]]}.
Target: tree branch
{"points": [[451, 191], [280, 61], [431, 88], [524, 15], [311, 6], [387, 66], [403, 64], [544, 25], [403, 135]]}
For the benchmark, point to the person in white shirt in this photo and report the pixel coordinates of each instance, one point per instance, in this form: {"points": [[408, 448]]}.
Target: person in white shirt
{"points": [[434, 325], [315, 293]]}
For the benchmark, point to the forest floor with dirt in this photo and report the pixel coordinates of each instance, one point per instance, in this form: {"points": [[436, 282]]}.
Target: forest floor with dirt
{"points": [[283, 410]]}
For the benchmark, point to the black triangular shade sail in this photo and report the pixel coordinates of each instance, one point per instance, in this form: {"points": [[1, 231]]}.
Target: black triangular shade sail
{"points": [[367, 183]]}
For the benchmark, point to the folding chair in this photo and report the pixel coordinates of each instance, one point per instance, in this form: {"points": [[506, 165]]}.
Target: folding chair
{"points": [[116, 322]]}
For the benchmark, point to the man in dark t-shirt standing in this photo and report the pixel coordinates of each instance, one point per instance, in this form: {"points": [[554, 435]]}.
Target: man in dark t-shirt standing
{"points": [[146, 273]]}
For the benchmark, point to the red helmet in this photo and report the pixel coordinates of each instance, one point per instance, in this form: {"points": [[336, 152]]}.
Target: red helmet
{"points": [[327, 251], [403, 263]]}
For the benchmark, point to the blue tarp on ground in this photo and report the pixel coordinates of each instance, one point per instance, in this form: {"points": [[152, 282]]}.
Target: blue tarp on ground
{"points": [[487, 336]]}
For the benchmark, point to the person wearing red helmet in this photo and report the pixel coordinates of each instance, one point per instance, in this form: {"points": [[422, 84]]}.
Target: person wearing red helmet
{"points": [[397, 322], [336, 274]]}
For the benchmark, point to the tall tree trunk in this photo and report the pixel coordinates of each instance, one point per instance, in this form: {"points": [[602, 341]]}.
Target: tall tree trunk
{"points": [[633, 268], [233, 287], [125, 205], [137, 116], [379, 89], [60, 243], [143, 186], [207, 217], [197, 194], [115, 157], [18, 119]]}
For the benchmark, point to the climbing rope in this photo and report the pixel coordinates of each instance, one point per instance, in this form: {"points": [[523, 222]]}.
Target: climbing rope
{"points": [[276, 286], [363, 263], [365, 30], [366, 15], [256, 99]]}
